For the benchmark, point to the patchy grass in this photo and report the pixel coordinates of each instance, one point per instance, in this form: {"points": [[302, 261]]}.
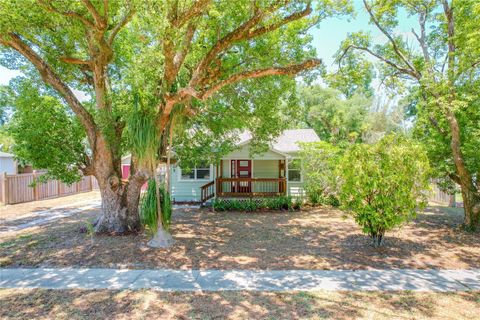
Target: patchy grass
{"points": [[143, 304], [316, 238]]}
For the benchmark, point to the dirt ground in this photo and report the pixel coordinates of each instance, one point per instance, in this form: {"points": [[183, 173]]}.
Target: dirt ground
{"points": [[147, 304], [317, 238], [29, 209]]}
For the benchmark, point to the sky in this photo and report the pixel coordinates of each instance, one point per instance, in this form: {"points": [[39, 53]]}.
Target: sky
{"points": [[326, 38]]}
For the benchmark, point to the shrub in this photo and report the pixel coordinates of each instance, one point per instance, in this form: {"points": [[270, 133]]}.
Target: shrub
{"points": [[249, 205], [320, 160], [384, 184]]}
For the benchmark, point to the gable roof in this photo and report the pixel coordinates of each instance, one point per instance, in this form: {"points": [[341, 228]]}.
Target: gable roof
{"points": [[287, 142]]}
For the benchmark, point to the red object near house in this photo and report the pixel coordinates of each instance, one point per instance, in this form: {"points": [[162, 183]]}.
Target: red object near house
{"points": [[241, 169], [126, 174], [125, 171]]}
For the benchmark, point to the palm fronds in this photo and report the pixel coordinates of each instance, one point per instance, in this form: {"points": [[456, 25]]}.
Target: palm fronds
{"points": [[148, 208]]}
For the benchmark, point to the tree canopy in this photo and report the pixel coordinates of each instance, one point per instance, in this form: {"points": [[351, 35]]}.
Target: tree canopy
{"points": [[175, 63], [440, 74]]}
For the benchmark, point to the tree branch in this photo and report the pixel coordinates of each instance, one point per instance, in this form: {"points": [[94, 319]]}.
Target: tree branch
{"points": [[100, 21], [294, 16], [235, 35], [288, 70], [422, 37], [70, 14], [120, 25], [51, 78], [244, 32], [195, 10], [72, 60], [387, 61], [390, 38]]}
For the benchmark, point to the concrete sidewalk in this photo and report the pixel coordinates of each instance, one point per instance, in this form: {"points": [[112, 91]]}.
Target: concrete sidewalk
{"points": [[257, 280]]}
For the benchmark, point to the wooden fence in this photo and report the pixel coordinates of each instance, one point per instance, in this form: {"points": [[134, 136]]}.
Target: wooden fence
{"points": [[19, 188], [438, 196]]}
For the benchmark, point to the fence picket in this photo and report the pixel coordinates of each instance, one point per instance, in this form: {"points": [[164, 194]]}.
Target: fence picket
{"points": [[19, 188]]}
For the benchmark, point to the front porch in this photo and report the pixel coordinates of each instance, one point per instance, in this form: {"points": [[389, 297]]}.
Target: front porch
{"points": [[247, 178]]}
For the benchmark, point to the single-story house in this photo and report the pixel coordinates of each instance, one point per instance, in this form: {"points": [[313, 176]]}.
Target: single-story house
{"points": [[275, 172], [8, 163]]}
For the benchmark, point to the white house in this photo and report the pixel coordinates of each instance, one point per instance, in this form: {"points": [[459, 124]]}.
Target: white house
{"points": [[7, 163], [273, 173]]}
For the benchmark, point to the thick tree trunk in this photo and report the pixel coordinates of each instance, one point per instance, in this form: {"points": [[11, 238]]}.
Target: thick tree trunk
{"points": [[120, 201], [471, 206], [116, 216], [471, 198]]}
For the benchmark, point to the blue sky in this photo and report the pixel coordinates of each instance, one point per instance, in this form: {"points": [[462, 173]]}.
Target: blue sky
{"points": [[327, 37]]}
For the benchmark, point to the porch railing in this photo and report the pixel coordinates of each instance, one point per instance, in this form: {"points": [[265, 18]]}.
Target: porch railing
{"points": [[207, 191], [251, 187]]}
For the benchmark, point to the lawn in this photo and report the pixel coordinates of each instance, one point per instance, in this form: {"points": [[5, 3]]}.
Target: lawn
{"points": [[315, 238], [145, 304]]}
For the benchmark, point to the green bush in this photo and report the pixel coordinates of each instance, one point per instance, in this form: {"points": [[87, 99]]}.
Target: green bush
{"points": [[320, 160], [384, 184], [249, 205]]}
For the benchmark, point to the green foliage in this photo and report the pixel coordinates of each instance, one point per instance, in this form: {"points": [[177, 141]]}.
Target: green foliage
{"points": [[166, 204], [320, 161], [355, 72], [384, 184], [148, 208], [57, 29], [439, 75], [46, 134], [5, 103], [334, 119], [250, 205], [143, 137]]}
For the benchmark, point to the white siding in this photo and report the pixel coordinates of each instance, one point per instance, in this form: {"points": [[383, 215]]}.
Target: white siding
{"points": [[126, 159], [265, 169], [186, 191], [226, 169], [8, 165], [263, 166], [295, 189]]}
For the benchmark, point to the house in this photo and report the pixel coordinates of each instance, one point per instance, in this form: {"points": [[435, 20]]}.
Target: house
{"points": [[275, 172], [8, 163]]}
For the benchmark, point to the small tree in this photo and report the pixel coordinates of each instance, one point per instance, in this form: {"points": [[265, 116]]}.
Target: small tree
{"points": [[320, 160], [384, 184]]}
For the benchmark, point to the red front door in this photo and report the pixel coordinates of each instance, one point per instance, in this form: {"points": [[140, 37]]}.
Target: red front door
{"points": [[241, 169]]}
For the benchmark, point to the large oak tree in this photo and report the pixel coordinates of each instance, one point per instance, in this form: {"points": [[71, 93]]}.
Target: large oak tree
{"points": [[178, 57]]}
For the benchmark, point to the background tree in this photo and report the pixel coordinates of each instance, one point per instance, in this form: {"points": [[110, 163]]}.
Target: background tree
{"points": [[177, 56], [383, 184], [335, 119], [443, 68], [319, 163]]}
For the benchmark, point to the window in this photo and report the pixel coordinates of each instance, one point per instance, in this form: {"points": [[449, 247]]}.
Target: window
{"points": [[198, 173], [295, 170], [187, 174]]}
